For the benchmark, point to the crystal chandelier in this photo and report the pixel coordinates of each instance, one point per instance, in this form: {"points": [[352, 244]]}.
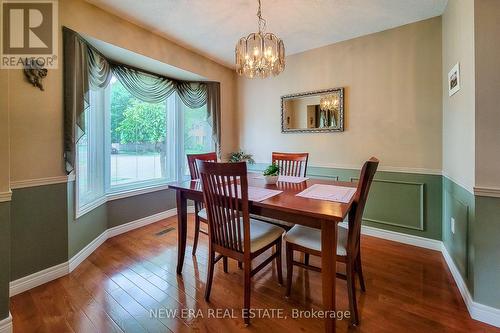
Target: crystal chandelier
{"points": [[260, 54], [329, 103]]}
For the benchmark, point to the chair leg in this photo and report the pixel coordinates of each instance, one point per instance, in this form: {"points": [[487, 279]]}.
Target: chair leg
{"points": [[359, 269], [306, 258], [210, 275], [278, 262], [196, 233], [246, 300], [289, 268], [351, 291], [224, 263]]}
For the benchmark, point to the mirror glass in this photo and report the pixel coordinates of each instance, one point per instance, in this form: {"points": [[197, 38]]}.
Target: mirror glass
{"points": [[320, 111]]}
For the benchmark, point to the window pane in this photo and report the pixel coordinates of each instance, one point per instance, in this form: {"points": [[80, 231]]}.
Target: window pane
{"points": [[138, 138], [82, 151], [197, 132], [89, 154]]}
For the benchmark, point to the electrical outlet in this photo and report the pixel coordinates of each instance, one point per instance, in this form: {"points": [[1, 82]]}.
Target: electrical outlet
{"points": [[452, 225]]}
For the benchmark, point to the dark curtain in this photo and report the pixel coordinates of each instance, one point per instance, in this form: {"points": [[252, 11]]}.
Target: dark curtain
{"points": [[146, 87], [76, 94], [214, 113], [86, 68]]}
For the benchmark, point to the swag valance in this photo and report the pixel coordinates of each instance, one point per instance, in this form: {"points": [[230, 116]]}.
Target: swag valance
{"points": [[86, 68]]}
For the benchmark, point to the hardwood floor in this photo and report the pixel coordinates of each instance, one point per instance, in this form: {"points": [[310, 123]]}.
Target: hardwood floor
{"points": [[408, 289]]}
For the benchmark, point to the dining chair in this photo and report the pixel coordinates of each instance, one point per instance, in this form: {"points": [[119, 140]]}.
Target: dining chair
{"points": [[231, 231], [200, 214], [308, 240], [290, 164]]}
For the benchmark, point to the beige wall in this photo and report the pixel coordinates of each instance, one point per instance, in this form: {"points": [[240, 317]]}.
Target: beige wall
{"points": [[37, 118], [487, 57], [393, 100], [458, 110], [4, 131]]}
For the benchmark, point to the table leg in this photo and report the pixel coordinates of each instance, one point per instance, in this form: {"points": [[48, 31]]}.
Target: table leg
{"points": [[181, 229], [328, 270]]}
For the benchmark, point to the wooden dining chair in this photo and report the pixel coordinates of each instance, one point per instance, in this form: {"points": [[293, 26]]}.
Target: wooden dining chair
{"points": [[231, 231], [308, 240], [291, 164], [200, 214]]}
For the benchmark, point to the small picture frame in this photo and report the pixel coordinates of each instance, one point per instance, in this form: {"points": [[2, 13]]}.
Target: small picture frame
{"points": [[454, 80]]}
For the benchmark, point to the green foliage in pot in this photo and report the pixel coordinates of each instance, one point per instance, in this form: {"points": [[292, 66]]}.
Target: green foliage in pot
{"points": [[272, 170], [241, 156]]}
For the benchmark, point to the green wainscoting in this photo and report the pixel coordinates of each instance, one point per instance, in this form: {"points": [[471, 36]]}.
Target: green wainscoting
{"points": [[403, 202], [133, 208], [458, 203], [485, 236], [39, 229], [4, 258], [85, 229]]}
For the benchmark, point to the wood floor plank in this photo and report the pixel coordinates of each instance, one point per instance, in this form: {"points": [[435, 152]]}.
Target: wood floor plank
{"points": [[126, 283]]}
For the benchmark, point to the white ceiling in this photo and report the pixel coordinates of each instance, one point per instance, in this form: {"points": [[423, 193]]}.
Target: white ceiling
{"points": [[212, 27]]}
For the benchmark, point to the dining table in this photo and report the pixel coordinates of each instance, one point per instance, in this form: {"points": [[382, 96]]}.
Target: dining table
{"points": [[286, 206]]}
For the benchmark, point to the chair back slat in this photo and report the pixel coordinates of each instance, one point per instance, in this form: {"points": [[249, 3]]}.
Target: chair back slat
{"points": [[225, 190], [356, 214], [193, 167], [291, 164]]}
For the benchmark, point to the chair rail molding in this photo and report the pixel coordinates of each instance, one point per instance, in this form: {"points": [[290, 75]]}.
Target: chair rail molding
{"points": [[17, 184], [481, 191], [5, 196], [385, 168]]}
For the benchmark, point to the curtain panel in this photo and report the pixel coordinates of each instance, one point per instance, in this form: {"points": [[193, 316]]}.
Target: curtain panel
{"points": [[86, 68]]}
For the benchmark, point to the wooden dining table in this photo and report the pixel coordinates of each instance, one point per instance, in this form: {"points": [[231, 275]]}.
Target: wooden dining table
{"points": [[286, 206]]}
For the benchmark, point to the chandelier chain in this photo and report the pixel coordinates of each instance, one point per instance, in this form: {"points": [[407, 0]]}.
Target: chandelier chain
{"points": [[262, 22]]}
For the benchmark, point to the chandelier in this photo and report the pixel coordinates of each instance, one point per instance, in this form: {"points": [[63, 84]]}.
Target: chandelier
{"points": [[260, 54], [329, 103]]}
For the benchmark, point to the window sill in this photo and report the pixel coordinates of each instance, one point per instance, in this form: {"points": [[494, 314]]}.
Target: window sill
{"points": [[130, 193], [118, 195]]}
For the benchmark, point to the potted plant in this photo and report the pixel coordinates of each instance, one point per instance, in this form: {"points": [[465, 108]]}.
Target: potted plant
{"points": [[271, 174], [241, 156]]}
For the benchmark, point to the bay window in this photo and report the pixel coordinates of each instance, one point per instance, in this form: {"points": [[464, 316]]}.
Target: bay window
{"points": [[132, 146]]}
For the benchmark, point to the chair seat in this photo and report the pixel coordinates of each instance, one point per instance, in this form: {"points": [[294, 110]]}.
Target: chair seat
{"points": [[261, 233], [311, 238]]}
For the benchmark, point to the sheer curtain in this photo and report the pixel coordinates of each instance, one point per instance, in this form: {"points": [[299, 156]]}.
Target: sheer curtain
{"points": [[86, 68]]}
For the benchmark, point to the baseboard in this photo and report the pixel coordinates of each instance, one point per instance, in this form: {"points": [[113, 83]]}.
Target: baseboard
{"points": [[477, 311], [36, 279], [426, 243], [6, 324], [123, 228], [78, 258]]}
